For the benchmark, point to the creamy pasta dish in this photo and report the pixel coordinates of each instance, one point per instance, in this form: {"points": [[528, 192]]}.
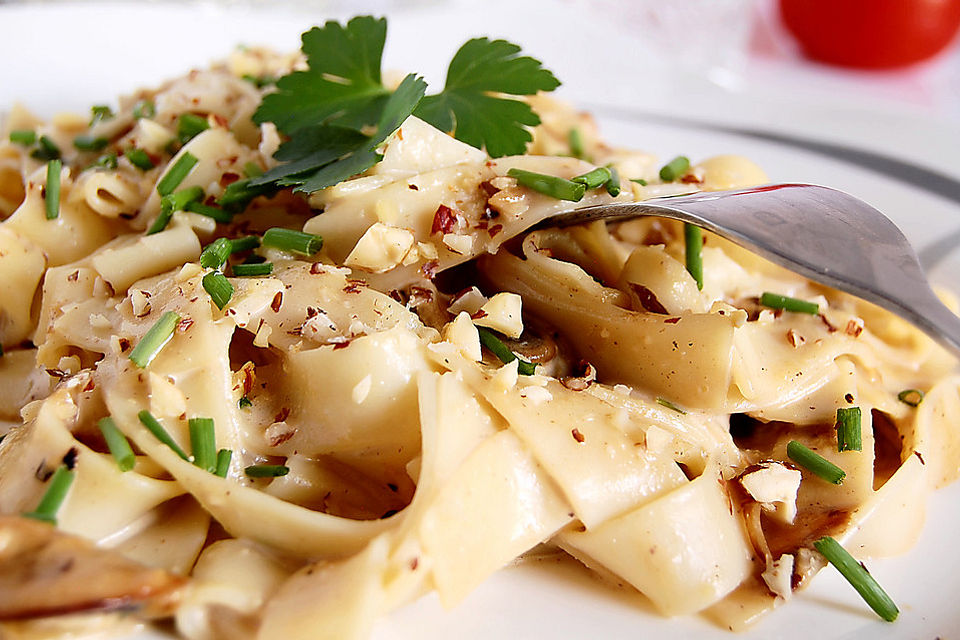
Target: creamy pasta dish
{"points": [[269, 380]]}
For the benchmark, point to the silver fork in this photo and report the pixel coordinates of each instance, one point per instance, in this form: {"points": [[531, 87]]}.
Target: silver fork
{"points": [[821, 233]]}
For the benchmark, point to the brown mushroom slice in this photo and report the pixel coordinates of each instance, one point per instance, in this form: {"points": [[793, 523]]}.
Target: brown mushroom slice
{"points": [[45, 572]]}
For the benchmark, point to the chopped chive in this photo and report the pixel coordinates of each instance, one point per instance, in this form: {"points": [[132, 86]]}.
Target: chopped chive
{"points": [[223, 462], [171, 203], [244, 244], [848, 429], [675, 169], [215, 254], [219, 288], [693, 238], [161, 221], [776, 301], [51, 198], [153, 426], [100, 112], [189, 125], [815, 463], [639, 181], [613, 184], [253, 269], [912, 397], [244, 403], [203, 443], [144, 109], [858, 577], [211, 212], [495, 345], [26, 137], [294, 241], [238, 195], [54, 496], [252, 169], [139, 158], [155, 339], [593, 178], [575, 139], [176, 173], [107, 161], [552, 186], [117, 444], [89, 143], [669, 405], [266, 470], [47, 150]]}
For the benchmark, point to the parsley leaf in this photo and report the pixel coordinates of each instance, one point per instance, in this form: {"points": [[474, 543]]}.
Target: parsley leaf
{"points": [[323, 155], [466, 108], [342, 85]]}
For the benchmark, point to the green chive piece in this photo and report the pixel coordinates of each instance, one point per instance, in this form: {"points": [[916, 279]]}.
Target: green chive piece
{"points": [[144, 109], [669, 405], [293, 241], [176, 173], [613, 184], [153, 426], [51, 198], [139, 158], [575, 139], [593, 178], [252, 169], [211, 212], [100, 112], [848, 429], [238, 195], [219, 288], [496, 346], [107, 161], [170, 204], [189, 125], [693, 237], [253, 269], [675, 169], [161, 221], [244, 403], [815, 463], [215, 254], [203, 443], [776, 301], [155, 339], [244, 244], [117, 444], [47, 150], [89, 143], [912, 397], [552, 186], [26, 137], [266, 470], [54, 496], [223, 462], [639, 181], [858, 577]]}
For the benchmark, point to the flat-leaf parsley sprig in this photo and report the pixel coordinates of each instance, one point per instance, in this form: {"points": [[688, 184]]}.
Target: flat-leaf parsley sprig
{"points": [[328, 109]]}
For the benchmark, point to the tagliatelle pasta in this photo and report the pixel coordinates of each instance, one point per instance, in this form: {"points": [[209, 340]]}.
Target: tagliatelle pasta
{"points": [[438, 390]]}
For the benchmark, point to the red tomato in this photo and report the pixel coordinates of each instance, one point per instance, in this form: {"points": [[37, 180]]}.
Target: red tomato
{"points": [[872, 34]]}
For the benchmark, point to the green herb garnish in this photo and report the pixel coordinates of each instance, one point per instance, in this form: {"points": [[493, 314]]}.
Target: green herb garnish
{"points": [[500, 350], [670, 405], [613, 184], [46, 150], [117, 444], [144, 109], [575, 140], [99, 113], [266, 470], [776, 301], [238, 195], [253, 269], [189, 125], [176, 173], [244, 244], [244, 403], [54, 496], [858, 577], [215, 254], [693, 239], [210, 212], [203, 443], [815, 463], [552, 186], [675, 169], [155, 339], [223, 462], [219, 288], [293, 241], [139, 158], [912, 397], [593, 178], [171, 203], [90, 143], [25, 137], [153, 426], [848, 429], [107, 161], [51, 197]]}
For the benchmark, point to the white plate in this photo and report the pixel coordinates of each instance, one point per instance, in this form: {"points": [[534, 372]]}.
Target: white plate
{"points": [[69, 56]]}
